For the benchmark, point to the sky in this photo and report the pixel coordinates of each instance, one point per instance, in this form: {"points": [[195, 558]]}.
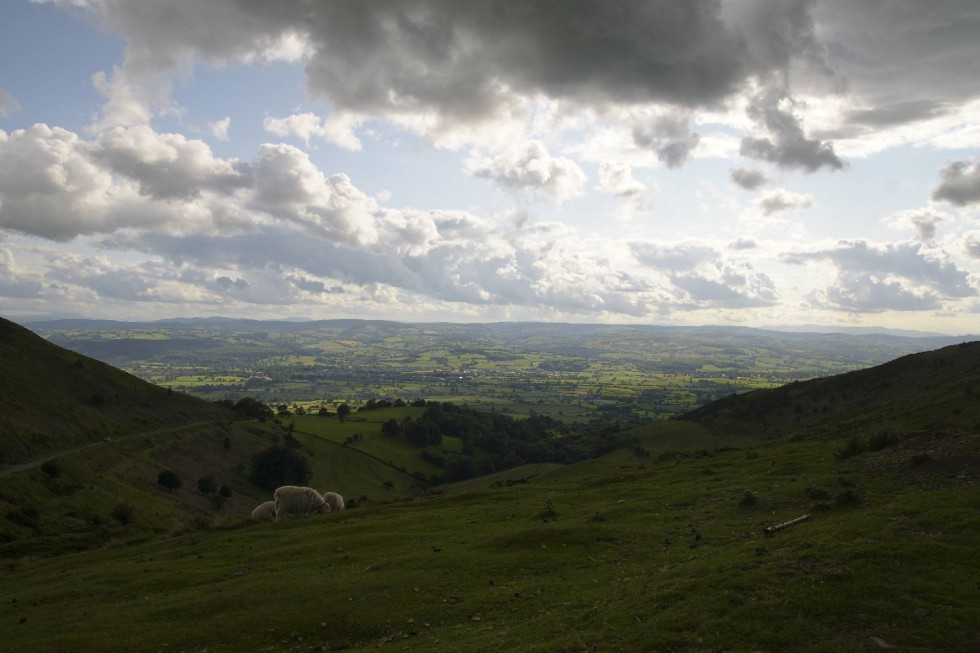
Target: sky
{"points": [[731, 162]]}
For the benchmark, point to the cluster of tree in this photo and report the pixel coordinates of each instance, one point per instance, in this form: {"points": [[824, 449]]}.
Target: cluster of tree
{"points": [[278, 466], [248, 407], [492, 442], [375, 404]]}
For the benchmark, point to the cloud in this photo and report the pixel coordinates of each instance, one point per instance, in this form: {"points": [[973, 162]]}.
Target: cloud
{"points": [[219, 128], [748, 179], [289, 186], [779, 200], [959, 184], [787, 147], [703, 278], [338, 128], [8, 103], [529, 166], [669, 136], [971, 244], [166, 166], [617, 178], [437, 66], [891, 277], [15, 282], [923, 221], [672, 257]]}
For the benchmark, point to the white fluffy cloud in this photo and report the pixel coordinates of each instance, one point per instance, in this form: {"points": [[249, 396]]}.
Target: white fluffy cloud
{"points": [[872, 278], [529, 166]]}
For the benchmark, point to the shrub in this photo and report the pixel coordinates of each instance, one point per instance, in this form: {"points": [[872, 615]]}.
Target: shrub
{"points": [[881, 440], [277, 466], [848, 497], [50, 468], [225, 491], [748, 499], [853, 447], [817, 493], [26, 516], [124, 513], [206, 485], [169, 479], [96, 400], [549, 511], [920, 458]]}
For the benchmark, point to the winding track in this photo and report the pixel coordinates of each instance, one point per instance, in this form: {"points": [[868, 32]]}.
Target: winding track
{"points": [[13, 469]]}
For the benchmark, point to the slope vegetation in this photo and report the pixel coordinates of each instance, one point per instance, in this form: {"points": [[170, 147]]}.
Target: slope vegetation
{"points": [[52, 399], [932, 390]]}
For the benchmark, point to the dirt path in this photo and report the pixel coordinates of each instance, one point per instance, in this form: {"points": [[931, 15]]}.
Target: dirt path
{"points": [[13, 469]]}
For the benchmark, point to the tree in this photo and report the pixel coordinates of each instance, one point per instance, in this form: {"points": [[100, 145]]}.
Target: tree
{"points": [[206, 485], [168, 479], [249, 407], [343, 410], [277, 466], [391, 428]]}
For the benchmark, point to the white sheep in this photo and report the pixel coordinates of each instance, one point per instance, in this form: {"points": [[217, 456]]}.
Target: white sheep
{"points": [[293, 499], [265, 511], [334, 501]]}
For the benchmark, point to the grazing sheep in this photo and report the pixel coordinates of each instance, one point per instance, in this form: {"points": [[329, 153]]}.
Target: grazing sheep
{"points": [[292, 499], [334, 501], [265, 512]]}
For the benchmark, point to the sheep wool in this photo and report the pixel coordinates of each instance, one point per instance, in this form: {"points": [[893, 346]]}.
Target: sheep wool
{"points": [[296, 500], [334, 501], [265, 511]]}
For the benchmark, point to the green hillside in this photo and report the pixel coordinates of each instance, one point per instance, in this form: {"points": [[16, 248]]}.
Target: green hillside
{"points": [[657, 545], [52, 399], [932, 390]]}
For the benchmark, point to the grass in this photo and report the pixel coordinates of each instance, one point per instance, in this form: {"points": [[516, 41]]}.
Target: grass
{"points": [[652, 557]]}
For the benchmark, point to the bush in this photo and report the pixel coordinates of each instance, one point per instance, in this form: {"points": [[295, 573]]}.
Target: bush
{"points": [[921, 458], [847, 497], [225, 491], [881, 440], [26, 516], [853, 447], [278, 466], [124, 513], [169, 480], [748, 499], [50, 468], [206, 485], [817, 493], [549, 511]]}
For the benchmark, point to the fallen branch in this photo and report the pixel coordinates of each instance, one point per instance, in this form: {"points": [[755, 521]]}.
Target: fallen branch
{"points": [[769, 530]]}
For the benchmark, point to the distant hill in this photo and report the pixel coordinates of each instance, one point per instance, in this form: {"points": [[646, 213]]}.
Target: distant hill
{"points": [[937, 389], [52, 399]]}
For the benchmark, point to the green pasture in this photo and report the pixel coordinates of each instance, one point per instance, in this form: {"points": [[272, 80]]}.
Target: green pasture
{"points": [[613, 554]]}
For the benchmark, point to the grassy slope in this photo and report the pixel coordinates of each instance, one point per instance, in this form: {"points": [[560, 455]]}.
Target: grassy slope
{"points": [[661, 557], [46, 399], [938, 390], [642, 555], [45, 411]]}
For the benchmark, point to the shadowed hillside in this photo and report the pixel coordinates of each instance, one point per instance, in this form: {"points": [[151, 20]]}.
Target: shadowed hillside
{"points": [[52, 399], [932, 390]]}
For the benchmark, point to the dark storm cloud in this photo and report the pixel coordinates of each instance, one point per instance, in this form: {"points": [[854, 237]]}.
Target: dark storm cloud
{"points": [[670, 137], [748, 179], [959, 184], [787, 146]]}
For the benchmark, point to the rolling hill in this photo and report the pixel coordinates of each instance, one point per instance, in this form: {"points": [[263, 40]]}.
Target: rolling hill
{"points": [[658, 545], [932, 390], [52, 399]]}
